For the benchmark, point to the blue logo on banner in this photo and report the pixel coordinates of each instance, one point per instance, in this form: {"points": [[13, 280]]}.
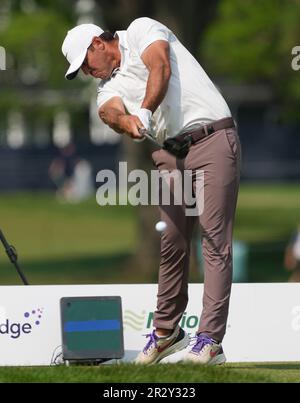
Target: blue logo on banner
{"points": [[16, 329]]}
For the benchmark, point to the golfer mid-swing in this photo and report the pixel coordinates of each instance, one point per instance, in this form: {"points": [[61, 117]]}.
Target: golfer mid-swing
{"points": [[149, 80]]}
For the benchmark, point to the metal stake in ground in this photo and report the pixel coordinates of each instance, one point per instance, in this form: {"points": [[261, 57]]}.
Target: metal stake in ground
{"points": [[13, 257]]}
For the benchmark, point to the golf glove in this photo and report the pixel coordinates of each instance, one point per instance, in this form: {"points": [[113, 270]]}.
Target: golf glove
{"points": [[145, 116]]}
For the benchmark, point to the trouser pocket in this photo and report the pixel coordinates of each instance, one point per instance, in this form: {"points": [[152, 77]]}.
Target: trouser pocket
{"points": [[233, 142]]}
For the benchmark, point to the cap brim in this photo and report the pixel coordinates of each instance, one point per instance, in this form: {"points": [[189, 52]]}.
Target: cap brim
{"points": [[75, 66]]}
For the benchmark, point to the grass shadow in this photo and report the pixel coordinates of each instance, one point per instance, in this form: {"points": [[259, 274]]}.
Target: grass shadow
{"points": [[110, 268]]}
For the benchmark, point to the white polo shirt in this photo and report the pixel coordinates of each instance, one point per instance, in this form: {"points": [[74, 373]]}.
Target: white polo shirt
{"points": [[191, 100]]}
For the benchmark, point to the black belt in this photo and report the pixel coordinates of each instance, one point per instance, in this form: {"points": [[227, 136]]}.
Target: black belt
{"points": [[180, 145], [207, 130]]}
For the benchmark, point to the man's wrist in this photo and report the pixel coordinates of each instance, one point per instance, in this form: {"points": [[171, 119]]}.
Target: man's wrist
{"points": [[147, 112], [145, 116]]}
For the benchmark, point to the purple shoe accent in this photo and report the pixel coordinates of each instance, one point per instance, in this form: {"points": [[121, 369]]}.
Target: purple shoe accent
{"points": [[153, 339], [202, 340]]}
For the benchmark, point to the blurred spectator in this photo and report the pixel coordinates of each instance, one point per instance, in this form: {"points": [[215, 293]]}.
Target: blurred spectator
{"points": [[292, 257], [71, 175]]}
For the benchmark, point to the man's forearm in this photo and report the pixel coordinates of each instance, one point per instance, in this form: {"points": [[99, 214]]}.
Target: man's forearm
{"points": [[121, 122], [111, 117], [157, 87]]}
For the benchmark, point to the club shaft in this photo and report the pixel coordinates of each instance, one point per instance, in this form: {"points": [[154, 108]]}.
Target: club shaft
{"points": [[148, 136]]}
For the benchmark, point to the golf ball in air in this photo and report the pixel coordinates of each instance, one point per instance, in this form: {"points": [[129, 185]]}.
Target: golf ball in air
{"points": [[160, 226]]}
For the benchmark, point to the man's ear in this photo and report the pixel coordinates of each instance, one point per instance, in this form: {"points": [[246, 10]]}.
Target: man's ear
{"points": [[98, 43]]}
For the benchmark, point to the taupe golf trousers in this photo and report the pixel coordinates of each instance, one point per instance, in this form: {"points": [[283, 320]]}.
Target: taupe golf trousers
{"points": [[218, 155]]}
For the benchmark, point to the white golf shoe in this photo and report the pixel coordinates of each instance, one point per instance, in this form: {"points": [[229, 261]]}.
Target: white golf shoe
{"points": [[206, 351], [158, 348]]}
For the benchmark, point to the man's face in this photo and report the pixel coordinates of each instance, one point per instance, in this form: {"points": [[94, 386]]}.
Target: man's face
{"points": [[99, 61]]}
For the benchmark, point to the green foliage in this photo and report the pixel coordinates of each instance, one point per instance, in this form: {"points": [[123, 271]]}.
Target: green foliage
{"points": [[251, 42], [35, 40], [34, 80], [242, 41]]}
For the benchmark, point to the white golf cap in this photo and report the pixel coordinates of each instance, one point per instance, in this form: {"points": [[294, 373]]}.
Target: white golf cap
{"points": [[75, 46]]}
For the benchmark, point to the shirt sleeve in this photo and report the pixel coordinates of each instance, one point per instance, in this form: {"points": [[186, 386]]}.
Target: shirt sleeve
{"points": [[142, 32], [104, 94]]}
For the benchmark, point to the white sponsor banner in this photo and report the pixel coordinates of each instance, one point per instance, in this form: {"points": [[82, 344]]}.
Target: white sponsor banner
{"points": [[263, 324]]}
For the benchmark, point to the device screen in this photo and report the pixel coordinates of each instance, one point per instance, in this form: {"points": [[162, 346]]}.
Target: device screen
{"points": [[92, 327]]}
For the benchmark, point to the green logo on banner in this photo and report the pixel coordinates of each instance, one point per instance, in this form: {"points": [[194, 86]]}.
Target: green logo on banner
{"points": [[140, 321], [133, 320]]}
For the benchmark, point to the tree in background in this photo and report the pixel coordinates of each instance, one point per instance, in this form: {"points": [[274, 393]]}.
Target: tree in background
{"points": [[251, 42], [33, 35], [188, 19], [34, 83]]}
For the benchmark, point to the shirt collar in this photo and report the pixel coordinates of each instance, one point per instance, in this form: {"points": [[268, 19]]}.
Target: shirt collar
{"points": [[123, 45]]}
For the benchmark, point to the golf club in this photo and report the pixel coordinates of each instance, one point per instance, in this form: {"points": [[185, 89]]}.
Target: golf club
{"points": [[148, 136], [13, 257], [178, 148]]}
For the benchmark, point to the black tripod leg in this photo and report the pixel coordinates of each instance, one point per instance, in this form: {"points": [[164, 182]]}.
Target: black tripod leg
{"points": [[11, 253], [21, 274]]}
